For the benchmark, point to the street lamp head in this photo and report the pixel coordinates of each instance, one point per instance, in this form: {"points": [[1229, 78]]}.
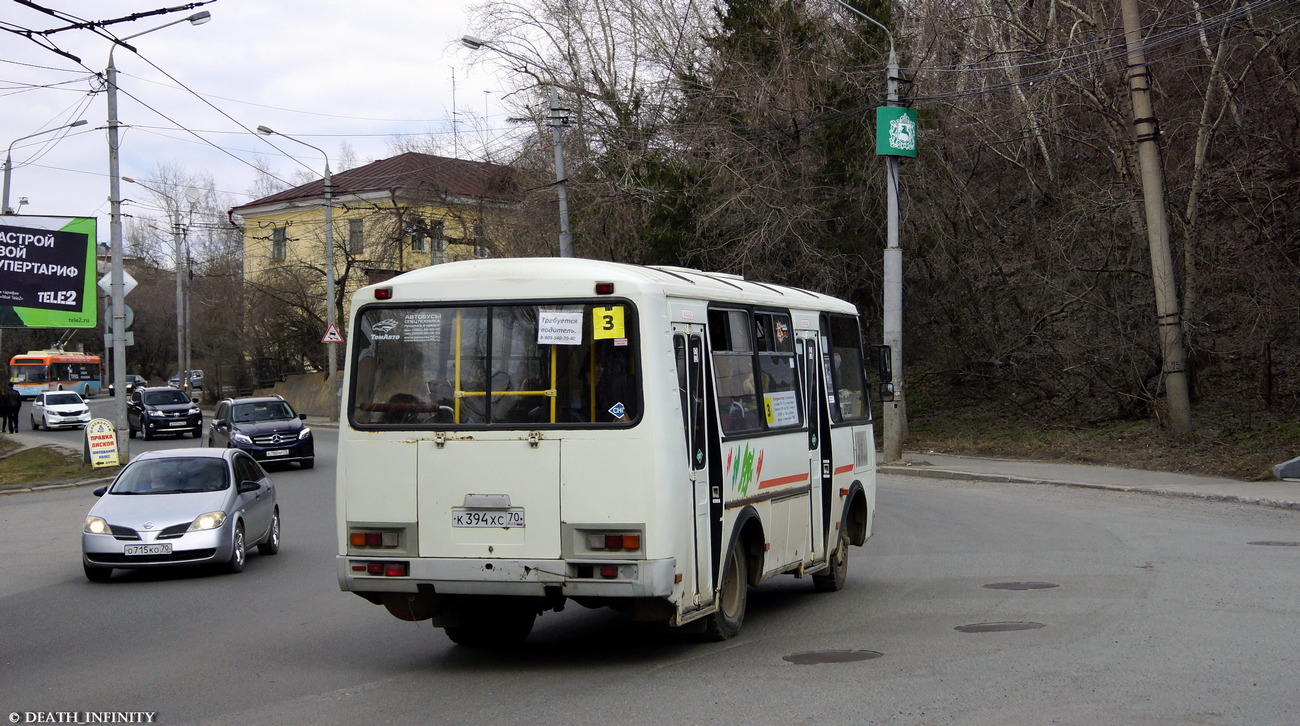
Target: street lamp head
{"points": [[78, 122], [265, 130], [200, 17], [470, 41]]}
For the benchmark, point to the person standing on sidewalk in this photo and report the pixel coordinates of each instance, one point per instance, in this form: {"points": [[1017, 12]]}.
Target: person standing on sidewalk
{"points": [[4, 410], [13, 403]]}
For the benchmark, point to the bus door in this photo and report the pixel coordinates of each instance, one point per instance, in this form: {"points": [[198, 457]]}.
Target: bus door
{"points": [[819, 454], [688, 350]]}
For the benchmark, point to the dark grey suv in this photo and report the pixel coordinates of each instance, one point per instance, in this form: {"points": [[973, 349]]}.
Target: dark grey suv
{"points": [[163, 410], [266, 427]]}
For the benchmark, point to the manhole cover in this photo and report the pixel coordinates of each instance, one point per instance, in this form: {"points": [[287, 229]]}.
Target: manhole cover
{"points": [[1021, 585], [998, 627], [1276, 543], [818, 657]]}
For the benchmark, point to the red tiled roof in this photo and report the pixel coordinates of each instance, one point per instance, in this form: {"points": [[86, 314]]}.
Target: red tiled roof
{"points": [[410, 175]]}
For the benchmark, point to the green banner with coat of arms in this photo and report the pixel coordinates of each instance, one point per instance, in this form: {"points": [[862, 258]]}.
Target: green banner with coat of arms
{"points": [[895, 131]]}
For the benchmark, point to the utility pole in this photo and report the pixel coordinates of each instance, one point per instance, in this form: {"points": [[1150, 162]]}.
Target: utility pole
{"points": [[895, 411], [558, 119], [1169, 317]]}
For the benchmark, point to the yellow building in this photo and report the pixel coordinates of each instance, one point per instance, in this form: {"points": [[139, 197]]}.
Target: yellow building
{"points": [[388, 217]]}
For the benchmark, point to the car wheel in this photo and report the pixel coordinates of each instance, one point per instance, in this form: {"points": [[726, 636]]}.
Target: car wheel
{"points": [[238, 551], [198, 433], [832, 579], [272, 543], [146, 432], [35, 426], [307, 463], [726, 622], [97, 574]]}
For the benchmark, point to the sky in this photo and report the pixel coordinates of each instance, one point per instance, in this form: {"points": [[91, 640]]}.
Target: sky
{"points": [[335, 74]]}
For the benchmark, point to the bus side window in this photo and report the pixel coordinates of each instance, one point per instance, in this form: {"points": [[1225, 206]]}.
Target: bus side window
{"points": [[733, 371]]}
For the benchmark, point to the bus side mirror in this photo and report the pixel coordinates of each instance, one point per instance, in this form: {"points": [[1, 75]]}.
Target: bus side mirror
{"points": [[884, 358]]}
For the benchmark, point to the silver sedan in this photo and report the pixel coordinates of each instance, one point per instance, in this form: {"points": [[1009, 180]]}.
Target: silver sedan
{"points": [[181, 507]]}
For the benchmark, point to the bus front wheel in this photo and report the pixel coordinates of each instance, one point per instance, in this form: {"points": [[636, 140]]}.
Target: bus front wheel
{"points": [[732, 595]]}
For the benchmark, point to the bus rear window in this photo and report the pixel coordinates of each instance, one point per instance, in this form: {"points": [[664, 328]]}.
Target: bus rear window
{"points": [[495, 365]]}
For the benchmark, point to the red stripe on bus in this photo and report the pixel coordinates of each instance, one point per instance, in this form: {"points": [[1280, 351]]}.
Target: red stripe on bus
{"points": [[844, 469], [792, 479]]}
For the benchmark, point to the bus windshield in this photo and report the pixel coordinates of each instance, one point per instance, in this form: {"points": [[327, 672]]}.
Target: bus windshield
{"points": [[507, 364], [28, 373]]}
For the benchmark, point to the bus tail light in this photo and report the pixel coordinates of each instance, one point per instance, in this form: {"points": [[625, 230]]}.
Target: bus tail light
{"points": [[382, 569], [611, 541], [374, 538]]}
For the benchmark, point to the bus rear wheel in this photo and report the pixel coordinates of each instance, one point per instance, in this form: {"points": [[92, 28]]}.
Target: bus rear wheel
{"points": [[732, 595], [493, 626], [832, 579]]}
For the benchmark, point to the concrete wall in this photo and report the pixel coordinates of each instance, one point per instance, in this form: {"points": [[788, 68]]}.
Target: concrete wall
{"points": [[307, 392]]}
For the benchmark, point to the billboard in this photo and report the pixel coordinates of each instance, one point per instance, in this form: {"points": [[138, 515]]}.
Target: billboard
{"points": [[47, 267]]}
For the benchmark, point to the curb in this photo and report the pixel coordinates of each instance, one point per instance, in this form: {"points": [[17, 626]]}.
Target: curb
{"points": [[1009, 479], [47, 486]]}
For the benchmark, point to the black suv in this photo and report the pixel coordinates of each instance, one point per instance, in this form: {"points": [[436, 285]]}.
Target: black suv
{"points": [[163, 410], [266, 427]]}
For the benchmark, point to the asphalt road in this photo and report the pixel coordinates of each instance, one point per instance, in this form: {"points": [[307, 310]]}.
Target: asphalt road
{"points": [[1158, 612]]}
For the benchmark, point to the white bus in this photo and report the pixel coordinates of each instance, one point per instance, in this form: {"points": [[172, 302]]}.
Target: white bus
{"points": [[517, 433]]}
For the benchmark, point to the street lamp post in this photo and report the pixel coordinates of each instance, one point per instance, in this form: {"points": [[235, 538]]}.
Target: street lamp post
{"points": [[9, 165], [895, 412], [329, 269], [558, 118], [117, 280]]}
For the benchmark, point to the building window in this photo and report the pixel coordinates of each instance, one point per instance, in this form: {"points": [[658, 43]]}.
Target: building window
{"points": [[438, 244], [419, 242], [279, 243], [356, 236]]}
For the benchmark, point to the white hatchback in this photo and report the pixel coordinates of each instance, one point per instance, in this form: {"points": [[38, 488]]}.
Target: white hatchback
{"points": [[55, 409]]}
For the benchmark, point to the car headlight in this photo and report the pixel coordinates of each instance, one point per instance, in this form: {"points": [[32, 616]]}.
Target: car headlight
{"points": [[96, 525], [305, 433], [211, 520], [193, 410], [157, 414], [241, 438]]}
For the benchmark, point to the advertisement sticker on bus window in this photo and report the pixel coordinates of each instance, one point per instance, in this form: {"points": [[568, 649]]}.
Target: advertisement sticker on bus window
{"points": [[422, 327], [559, 327], [607, 322]]}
